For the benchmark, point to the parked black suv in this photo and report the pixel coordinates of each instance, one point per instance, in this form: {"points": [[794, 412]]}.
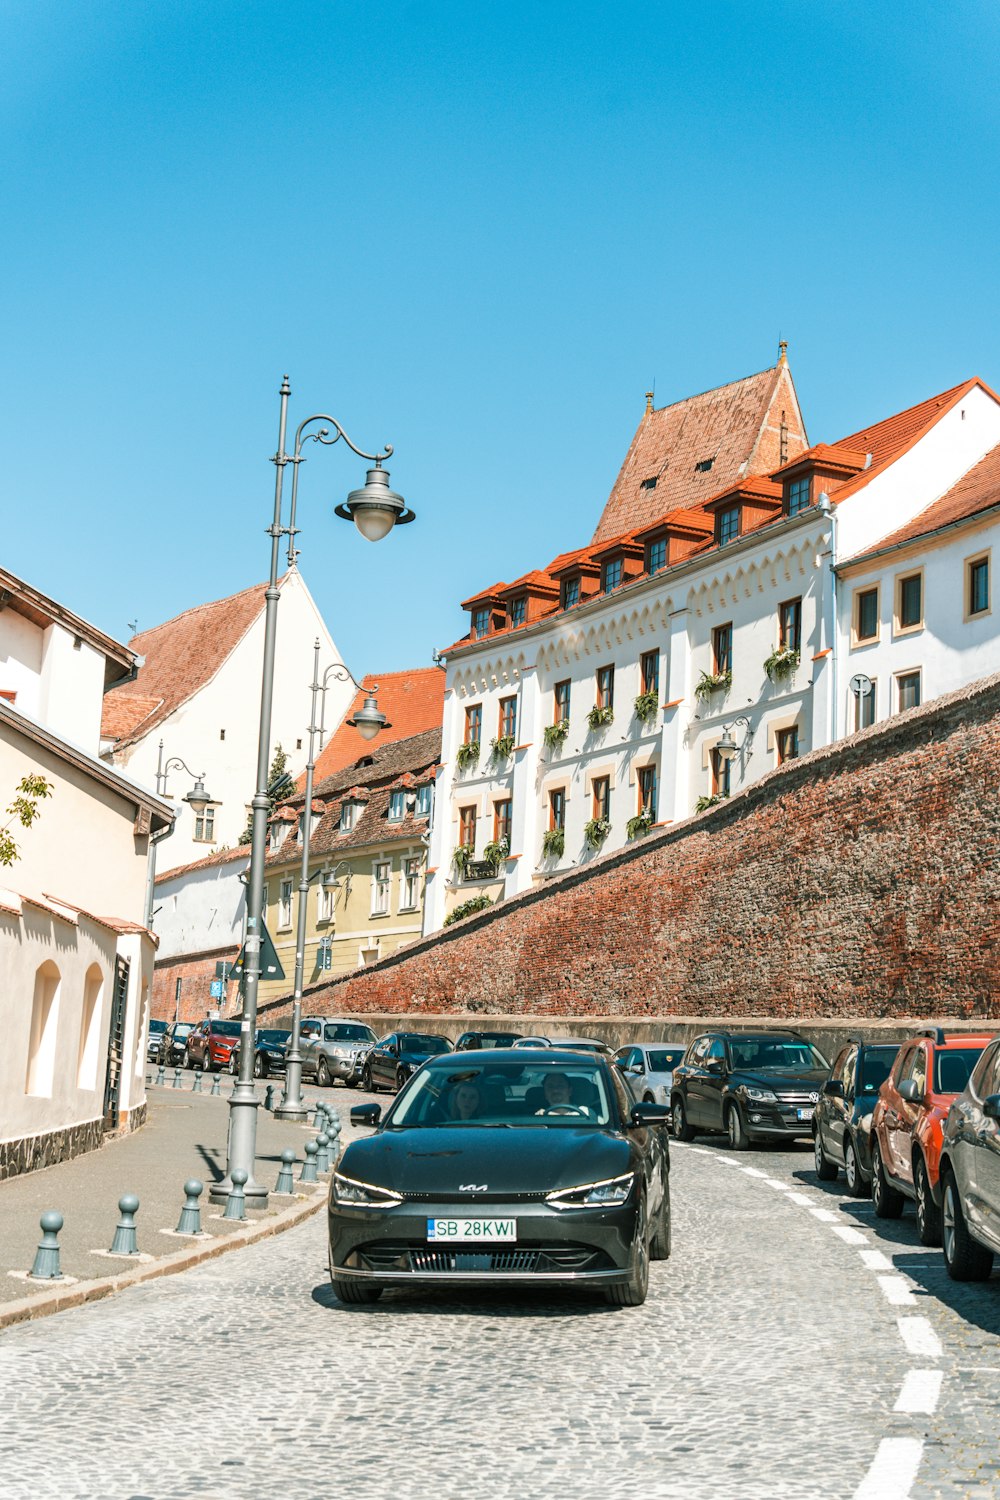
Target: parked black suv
{"points": [[843, 1119], [751, 1085], [481, 1041]]}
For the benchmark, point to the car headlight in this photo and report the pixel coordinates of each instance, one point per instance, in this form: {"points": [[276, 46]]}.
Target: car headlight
{"points": [[340, 1052], [609, 1193], [757, 1095], [353, 1194], [278, 1055]]}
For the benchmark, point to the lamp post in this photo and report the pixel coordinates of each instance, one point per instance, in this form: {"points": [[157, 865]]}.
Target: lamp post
{"points": [[727, 747], [198, 798], [368, 721], [374, 509]]}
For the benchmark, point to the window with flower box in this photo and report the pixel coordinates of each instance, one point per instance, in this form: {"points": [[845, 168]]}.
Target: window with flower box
{"points": [[473, 724], [790, 625], [508, 718], [605, 687], [647, 790], [560, 702], [722, 649], [557, 808], [503, 816], [467, 827], [602, 798]]}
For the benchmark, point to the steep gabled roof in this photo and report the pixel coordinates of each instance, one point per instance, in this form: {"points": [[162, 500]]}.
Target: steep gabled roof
{"points": [[379, 763], [889, 439], [412, 701], [976, 491], [181, 656], [703, 444]]}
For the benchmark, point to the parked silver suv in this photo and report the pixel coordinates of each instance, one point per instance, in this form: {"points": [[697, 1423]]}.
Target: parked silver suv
{"points": [[334, 1049], [969, 1183]]}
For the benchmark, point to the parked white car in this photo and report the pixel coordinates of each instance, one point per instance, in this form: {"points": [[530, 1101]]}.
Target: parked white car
{"points": [[648, 1068]]}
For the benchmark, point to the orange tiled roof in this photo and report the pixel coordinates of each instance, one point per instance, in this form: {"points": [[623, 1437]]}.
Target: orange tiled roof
{"points": [[220, 857], [889, 439], [736, 426], [181, 656], [976, 491], [412, 702]]}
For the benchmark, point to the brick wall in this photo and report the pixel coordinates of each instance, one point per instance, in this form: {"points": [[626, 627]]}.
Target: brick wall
{"points": [[860, 881], [195, 974]]}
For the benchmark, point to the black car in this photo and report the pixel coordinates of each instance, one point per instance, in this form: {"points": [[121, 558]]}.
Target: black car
{"points": [[481, 1041], [269, 1052], [174, 1041], [504, 1166], [750, 1085], [843, 1118], [391, 1061], [153, 1040]]}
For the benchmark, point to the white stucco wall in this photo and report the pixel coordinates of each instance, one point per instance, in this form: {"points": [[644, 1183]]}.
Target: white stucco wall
{"points": [[199, 911], [57, 682]]}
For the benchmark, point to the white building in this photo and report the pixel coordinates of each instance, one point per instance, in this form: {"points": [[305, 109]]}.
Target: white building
{"points": [[199, 912], [198, 691], [76, 959], [665, 631]]}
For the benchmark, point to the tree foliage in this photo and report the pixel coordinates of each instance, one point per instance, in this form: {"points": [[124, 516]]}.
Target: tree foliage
{"points": [[24, 809], [279, 785]]}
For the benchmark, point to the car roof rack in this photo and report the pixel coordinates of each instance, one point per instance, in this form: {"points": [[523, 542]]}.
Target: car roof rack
{"points": [[936, 1034]]}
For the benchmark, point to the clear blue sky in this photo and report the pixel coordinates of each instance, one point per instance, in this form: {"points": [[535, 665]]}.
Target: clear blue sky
{"points": [[478, 232]]}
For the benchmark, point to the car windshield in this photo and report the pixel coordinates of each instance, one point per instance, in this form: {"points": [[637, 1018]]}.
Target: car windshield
{"points": [[953, 1068], [184, 1029], [273, 1038], [529, 1094], [485, 1039], [666, 1061], [776, 1056], [225, 1028], [344, 1031], [414, 1041], [577, 1044], [157, 1026], [877, 1066]]}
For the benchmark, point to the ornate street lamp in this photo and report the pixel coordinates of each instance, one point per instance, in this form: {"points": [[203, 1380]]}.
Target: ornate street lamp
{"points": [[292, 1106], [375, 509], [197, 798], [727, 747]]}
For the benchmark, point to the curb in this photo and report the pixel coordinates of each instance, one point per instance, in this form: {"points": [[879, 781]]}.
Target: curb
{"points": [[65, 1297]]}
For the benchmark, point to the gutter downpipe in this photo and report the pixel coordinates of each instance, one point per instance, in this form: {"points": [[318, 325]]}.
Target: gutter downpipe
{"points": [[826, 508]]}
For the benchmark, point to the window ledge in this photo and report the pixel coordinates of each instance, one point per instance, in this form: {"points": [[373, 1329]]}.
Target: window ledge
{"points": [[901, 630]]}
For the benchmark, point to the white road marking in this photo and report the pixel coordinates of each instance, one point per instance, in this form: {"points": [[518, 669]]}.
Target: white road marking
{"points": [[730, 1161], [802, 1198], [753, 1172], [781, 1186], [896, 1291], [919, 1337], [921, 1391], [876, 1261], [893, 1470], [850, 1236], [825, 1215]]}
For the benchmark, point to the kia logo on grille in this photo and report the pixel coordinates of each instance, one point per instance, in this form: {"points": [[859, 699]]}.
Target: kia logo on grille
{"points": [[473, 1187]]}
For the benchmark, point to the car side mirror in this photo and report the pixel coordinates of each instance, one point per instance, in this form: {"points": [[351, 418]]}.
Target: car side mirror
{"points": [[833, 1088], [910, 1090], [991, 1107], [366, 1114], [648, 1114], [715, 1065]]}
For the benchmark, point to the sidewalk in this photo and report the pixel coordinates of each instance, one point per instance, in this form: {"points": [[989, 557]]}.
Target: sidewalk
{"points": [[184, 1136]]}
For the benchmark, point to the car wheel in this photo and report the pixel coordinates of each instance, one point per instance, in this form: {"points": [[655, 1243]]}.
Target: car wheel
{"points": [[678, 1121], [400, 1079], [367, 1082], [928, 1213], [258, 1066], [965, 1258], [233, 1065], [323, 1074], [825, 1170], [888, 1202], [186, 1059], [735, 1129], [352, 1291], [856, 1184], [659, 1245], [633, 1292]]}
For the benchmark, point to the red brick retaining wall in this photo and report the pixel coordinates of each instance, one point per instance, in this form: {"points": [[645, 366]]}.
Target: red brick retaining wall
{"points": [[195, 974], [861, 880]]}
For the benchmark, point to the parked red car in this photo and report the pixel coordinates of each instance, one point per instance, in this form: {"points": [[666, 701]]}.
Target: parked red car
{"points": [[208, 1046], [930, 1072]]}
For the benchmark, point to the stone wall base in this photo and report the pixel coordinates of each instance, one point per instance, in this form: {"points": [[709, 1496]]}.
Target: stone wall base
{"points": [[34, 1151]]}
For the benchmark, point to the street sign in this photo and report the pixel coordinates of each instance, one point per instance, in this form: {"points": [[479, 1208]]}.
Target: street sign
{"points": [[270, 963], [326, 953], [223, 969], [216, 989]]}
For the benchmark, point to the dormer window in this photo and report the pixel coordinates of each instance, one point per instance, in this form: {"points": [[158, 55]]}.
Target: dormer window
{"points": [[611, 574], [703, 466], [570, 592], [798, 495], [348, 814], [656, 554], [518, 610], [480, 623], [424, 797], [397, 806], [648, 484], [728, 525]]}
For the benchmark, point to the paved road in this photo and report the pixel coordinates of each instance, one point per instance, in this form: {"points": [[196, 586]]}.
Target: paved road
{"points": [[766, 1363]]}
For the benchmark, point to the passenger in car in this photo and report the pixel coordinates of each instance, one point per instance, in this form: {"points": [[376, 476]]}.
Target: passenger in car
{"points": [[465, 1101]]}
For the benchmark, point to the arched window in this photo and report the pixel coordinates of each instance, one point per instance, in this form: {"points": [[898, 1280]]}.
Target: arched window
{"points": [[42, 1037], [90, 1028]]}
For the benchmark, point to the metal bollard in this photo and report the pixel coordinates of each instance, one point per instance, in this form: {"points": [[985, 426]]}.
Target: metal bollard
{"points": [[196, 1086], [308, 1173], [177, 1078], [190, 1219], [323, 1152], [46, 1265], [125, 1242], [334, 1127], [317, 1121], [269, 1097], [236, 1203], [161, 1076], [216, 1088], [286, 1178]]}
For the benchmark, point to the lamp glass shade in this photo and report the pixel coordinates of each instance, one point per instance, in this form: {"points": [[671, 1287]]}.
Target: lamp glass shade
{"points": [[376, 508], [368, 720], [197, 798], [726, 747]]}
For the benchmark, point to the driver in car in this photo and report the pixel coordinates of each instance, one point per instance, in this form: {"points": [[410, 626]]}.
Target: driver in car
{"points": [[558, 1093]]}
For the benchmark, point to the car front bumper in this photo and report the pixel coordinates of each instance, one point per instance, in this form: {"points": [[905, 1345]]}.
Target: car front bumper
{"points": [[390, 1246], [777, 1123]]}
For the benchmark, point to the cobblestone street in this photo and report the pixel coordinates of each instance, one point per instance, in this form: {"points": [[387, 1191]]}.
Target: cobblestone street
{"points": [[767, 1362]]}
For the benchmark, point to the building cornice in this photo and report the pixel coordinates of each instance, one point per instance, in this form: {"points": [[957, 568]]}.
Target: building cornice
{"points": [[41, 610]]}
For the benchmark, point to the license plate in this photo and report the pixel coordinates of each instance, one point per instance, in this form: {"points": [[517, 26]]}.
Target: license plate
{"points": [[805, 1114], [471, 1229]]}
